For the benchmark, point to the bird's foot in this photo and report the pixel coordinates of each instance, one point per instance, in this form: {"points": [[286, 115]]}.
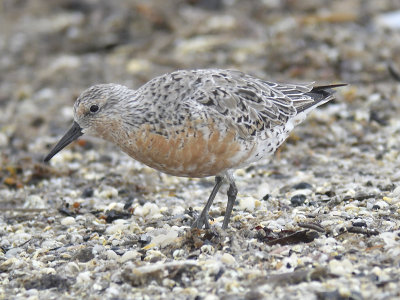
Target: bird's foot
{"points": [[201, 221]]}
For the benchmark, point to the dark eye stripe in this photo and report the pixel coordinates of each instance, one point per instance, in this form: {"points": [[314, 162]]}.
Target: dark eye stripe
{"points": [[94, 108]]}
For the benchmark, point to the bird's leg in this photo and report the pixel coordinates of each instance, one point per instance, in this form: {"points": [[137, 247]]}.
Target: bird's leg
{"points": [[232, 192], [203, 218]]}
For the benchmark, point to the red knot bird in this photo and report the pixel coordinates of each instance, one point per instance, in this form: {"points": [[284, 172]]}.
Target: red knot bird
{"points": [[196, 123]]}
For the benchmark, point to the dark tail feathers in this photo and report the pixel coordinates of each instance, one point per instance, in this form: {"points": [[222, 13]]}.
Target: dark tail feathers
{"points": [[322, 93]]}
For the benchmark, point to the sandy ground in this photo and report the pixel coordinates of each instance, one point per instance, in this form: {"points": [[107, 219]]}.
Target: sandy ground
{"points": [[320, 220]]}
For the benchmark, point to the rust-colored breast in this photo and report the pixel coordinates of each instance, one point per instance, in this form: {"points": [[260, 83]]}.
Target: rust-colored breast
{"points": [[188, 153]]}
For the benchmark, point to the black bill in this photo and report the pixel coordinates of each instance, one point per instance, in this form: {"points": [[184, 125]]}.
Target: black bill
{"points": [[72, 134]]}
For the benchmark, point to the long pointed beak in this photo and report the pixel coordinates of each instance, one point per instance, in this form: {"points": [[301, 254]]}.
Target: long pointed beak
{"points": [[72, 134]]}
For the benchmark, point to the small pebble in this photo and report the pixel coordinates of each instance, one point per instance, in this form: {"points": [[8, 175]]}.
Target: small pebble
{"points": [[144, 238], [154, 255], [13, 252], [228, 259], [98, 249], [150, 209], [298, 200], [117, 226], [84, 255], [247, 204], [51, 244], [389, 20], [87, 192], [178, 253], [109, 192], [137, 65], [341, 267], [71, 268], [207, 249], [3, 139], [84, 277], [68, 221], [302, 186], [20, 238], [130, 255], [166, 239], [111, 255], [211, 297], [382, 204], [34, 201]]}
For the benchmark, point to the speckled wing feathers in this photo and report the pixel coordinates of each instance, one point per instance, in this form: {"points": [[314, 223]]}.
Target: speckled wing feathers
{"points": [[249, 102], [243, 102]]}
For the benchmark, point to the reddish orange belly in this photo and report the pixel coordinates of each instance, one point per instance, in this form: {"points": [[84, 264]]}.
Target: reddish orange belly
{"points": [[189, 153]]}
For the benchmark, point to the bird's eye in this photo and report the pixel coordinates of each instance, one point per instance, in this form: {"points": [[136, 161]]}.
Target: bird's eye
{"points": [[94, 108]]}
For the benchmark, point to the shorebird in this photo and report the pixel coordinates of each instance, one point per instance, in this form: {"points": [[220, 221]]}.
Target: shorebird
{"points": [[196, 123]]}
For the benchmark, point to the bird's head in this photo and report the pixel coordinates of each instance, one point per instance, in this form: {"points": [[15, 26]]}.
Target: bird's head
{"points": [[94, 110]]}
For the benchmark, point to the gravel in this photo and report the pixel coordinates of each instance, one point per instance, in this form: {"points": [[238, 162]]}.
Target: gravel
{"points": [[320, 220]]}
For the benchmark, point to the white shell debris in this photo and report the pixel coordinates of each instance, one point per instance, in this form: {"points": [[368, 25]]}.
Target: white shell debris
{"points": [[96, 222], [68, 221], [341, 267], [228, 259], [389, 20], [162, 237]]}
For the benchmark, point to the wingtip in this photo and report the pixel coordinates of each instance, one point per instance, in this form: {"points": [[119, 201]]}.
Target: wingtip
{"points": [[329, 86]]}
